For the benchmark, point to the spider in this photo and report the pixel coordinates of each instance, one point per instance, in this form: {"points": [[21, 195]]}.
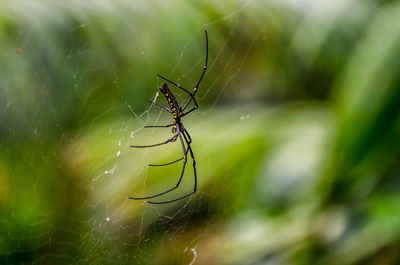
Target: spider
{"points": [[178, 130]]}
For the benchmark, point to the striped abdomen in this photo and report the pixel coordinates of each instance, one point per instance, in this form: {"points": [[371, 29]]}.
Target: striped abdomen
{"points": [[173, 104]]}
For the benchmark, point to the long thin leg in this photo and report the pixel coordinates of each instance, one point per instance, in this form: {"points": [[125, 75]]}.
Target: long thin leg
{"points": [[175, 84], [158, 126], [186, 113], [205, 64], [179, 180], [173, 139], [201, 77], [166, 164], [187, 140], [158, 105], [179, 86]]}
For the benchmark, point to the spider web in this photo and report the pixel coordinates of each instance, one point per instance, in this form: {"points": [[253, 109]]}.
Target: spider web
{"points": [[74, 85], [94, 222], [174, 222]]}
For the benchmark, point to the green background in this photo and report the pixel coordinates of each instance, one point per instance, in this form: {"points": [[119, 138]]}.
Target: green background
{"points": [[296, 138]]}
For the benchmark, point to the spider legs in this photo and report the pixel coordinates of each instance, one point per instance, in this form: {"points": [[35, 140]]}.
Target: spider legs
{"points": [[179, 180], [158, 105], [179, 131], [163, 126], [158, 126], [188, 141], [166, 164], [179, 86], [172, 139], [186, 113], [198, 82], [192, 94]]}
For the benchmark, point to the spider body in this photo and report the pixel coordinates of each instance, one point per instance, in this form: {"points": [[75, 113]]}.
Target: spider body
{"points": [[178, 130], [176, 110], [172, 102]]}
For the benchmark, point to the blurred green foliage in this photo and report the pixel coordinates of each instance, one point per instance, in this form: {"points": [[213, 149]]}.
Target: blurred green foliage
{"points": [[296, 138]]}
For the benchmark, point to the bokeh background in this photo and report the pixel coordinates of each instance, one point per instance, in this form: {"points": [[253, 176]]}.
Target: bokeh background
{"points": [[296, 137]]}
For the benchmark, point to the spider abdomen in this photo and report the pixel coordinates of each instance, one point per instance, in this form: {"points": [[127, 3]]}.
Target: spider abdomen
{"points": [[172, 102]]}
